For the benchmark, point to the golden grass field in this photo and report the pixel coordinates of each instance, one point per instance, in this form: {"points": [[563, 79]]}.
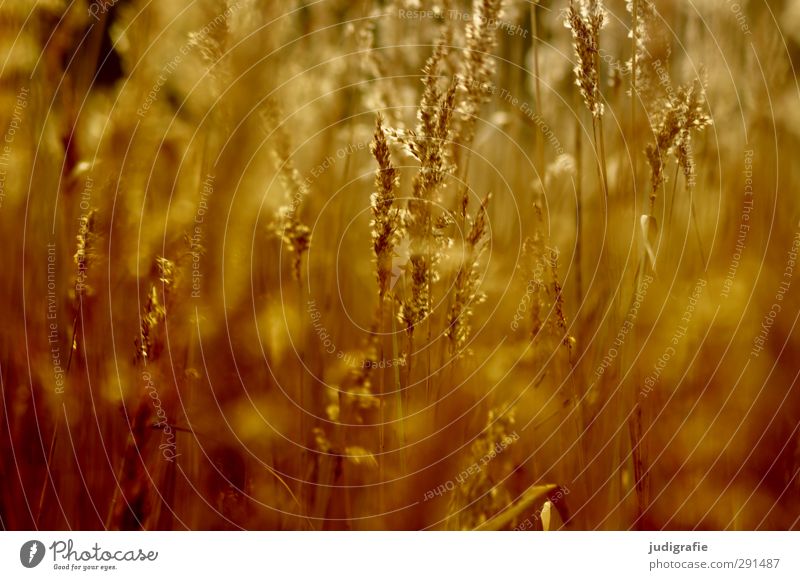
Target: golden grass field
{"points": [[421, 264]]}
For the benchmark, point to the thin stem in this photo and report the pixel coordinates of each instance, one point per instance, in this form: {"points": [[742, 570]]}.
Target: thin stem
{"points": [[579, 205], [577, 401], [72, 339], [597, 156], [672, 197], [462, 202], [303, 455], [407, 388], [668, 223], [633, 95], [537, 86], [43, 493], [51, 450], [429, 289], [697, 230], [399, 391], [382, 427], [599, 138]]}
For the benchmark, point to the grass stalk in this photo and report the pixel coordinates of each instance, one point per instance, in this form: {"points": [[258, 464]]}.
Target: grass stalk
{"points": [[399, 391]]}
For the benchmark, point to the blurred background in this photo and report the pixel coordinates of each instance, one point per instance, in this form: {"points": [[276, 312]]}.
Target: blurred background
{"points": [[194, 335]]}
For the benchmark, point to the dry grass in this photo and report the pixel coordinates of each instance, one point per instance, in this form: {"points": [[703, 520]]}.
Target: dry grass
{"points": [[399, 265]]}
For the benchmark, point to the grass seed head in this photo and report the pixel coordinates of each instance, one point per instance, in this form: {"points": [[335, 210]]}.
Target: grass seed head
{"points": [[585, 19]]}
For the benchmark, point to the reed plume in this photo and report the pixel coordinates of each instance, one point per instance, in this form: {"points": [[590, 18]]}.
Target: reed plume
{"points": [[546, 301], [466, 292], [476, 69], [427, 143], [385, 216], [288, 225], [681, 114], [696, 120], [651, 48], [585, 19], [477, 65], [148, 346], [212, 42]]}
